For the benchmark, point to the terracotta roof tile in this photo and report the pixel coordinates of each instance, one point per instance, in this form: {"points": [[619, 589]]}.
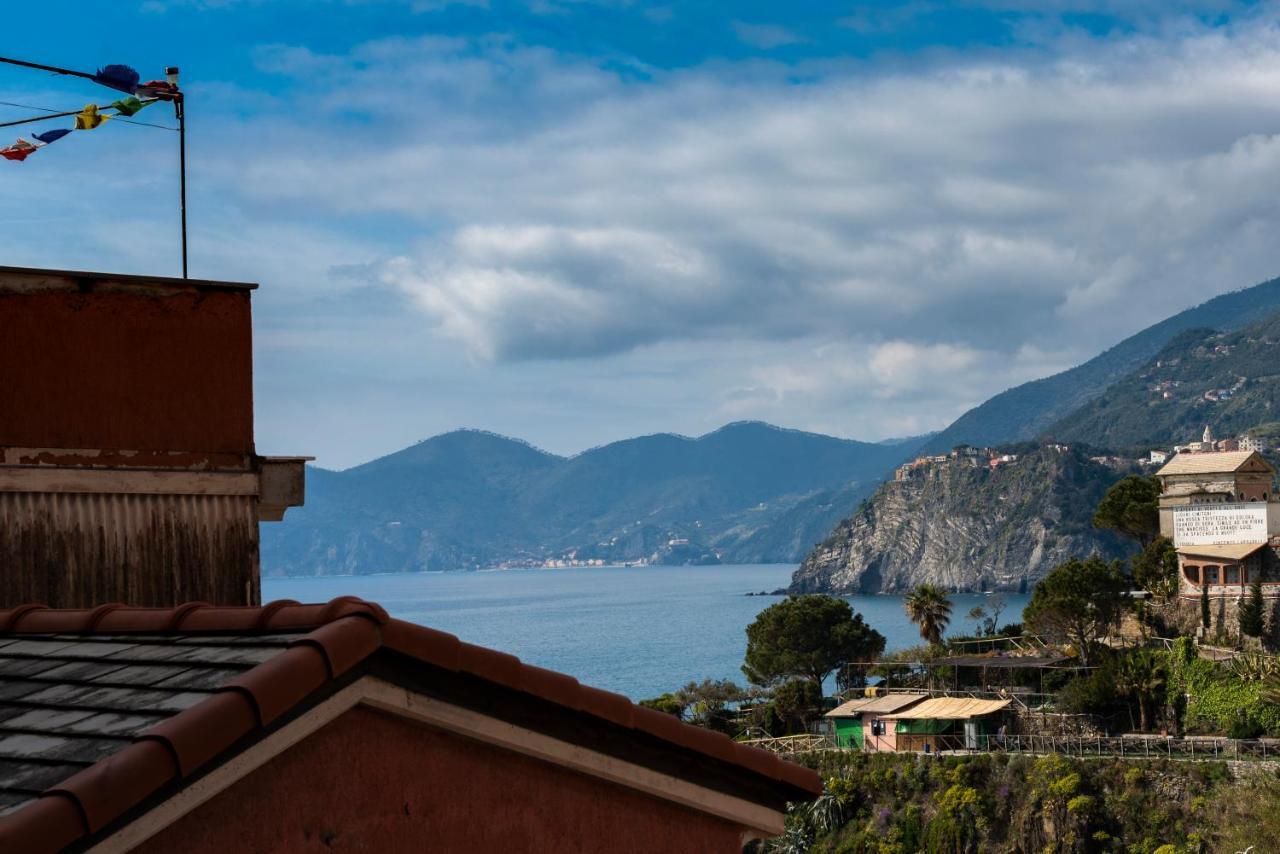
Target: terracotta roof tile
{"points": [[549, 685], [203, 731], [489, 664], [49, 824], [344, 643], [169, 690], [614, 708], [108, 788], [438, 648], [280, 683]]}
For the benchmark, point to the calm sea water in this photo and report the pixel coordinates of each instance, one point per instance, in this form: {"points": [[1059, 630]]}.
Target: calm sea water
{"points": [[636, 630]]}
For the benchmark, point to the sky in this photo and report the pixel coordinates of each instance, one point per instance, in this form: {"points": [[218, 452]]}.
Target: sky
{"points": [[576, 221]]}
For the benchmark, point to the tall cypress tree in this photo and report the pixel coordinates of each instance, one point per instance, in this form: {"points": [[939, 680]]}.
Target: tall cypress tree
{"points": [[1251, 622], [1204, 607]]}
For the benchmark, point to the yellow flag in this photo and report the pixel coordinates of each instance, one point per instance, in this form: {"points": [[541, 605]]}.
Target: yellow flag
{"points": [[88, 118]]}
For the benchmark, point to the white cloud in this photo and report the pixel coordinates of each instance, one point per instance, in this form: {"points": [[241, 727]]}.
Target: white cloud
{"points": [[765, 36], [572, 211]]}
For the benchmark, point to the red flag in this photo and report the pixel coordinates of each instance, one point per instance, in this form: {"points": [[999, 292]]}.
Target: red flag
{"points": [[20, 150]]}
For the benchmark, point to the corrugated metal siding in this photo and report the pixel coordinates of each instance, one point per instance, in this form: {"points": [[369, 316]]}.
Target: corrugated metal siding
{"points": [[78, 550]]}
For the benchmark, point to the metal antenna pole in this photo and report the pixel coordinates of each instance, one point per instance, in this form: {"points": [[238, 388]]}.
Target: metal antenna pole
{"points": [[179, 109]]}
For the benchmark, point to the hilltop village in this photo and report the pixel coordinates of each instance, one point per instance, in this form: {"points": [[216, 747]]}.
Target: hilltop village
{"points": [[993, 458]]}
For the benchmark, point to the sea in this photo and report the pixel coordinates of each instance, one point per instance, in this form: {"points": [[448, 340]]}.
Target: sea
{"points": [[638, 631]]}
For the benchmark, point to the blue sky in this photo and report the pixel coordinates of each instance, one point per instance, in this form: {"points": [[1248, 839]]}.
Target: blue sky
{"points": [[576, 221]]}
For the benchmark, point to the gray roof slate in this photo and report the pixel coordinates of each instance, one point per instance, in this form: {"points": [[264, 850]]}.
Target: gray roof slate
{"points": [[67, 702]]}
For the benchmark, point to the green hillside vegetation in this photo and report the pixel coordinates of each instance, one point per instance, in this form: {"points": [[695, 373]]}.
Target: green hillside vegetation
{"points": [[886, 803], [1228, 380], [1028, 410], [748, 492]]}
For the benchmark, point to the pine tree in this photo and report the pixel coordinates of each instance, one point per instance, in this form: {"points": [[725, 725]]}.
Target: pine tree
{"points": [[1251, 622]]}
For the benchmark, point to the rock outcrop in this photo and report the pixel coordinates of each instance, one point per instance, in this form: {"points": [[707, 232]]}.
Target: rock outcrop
{"points": [[967, 527]]}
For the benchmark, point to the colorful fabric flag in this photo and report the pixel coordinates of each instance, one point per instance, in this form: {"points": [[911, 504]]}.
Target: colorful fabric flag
{"points": [[89, 118], [162, 89], [127, 106], [20, 150], [122, 78], [52, 135]]}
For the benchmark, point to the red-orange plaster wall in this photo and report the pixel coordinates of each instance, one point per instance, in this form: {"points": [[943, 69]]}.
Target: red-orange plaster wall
{"points": [[373, 782], [110, 367]]}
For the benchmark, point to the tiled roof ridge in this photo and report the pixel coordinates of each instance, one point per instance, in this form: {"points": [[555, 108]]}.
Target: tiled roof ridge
{"points": [[340, 634]]}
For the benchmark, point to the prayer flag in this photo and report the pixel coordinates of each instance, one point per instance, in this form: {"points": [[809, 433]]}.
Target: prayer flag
{"points": [[52, 135], [162, 89], [89, 118], [128, 106], [122, 78], [20, 150]]}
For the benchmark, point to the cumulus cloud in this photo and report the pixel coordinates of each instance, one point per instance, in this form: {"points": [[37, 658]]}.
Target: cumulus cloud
{"points": [[569, 209]]}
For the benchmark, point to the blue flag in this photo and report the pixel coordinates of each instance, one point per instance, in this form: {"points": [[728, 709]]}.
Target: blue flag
{"points": [[119, 77], [52, 135]]}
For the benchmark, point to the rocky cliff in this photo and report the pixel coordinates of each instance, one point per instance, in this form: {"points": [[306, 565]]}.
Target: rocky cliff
{"points": [[967, 527]]}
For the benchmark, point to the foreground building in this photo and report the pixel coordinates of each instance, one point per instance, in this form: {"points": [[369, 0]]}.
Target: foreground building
{"points": [[129, 475], [128, 471], [303, 727]]}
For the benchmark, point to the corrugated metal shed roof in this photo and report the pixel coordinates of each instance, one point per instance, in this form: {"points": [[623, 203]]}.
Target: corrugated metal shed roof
{"points": [[952, 708], [1226, 551], [1211, 462], [875, 705]]}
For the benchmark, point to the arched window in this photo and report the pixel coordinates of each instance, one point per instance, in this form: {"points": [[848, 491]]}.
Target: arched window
{"points": [[1192, 573]]}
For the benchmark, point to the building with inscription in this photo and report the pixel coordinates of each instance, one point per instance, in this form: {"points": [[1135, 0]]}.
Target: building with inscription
{"points": [[1219, 509]]}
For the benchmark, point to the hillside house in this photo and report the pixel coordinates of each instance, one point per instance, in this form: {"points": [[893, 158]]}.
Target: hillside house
{"points": [[864, 723], [946, 723], [1219, 510]]}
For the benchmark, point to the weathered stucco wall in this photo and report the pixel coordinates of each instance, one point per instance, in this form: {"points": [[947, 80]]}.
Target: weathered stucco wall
{"points": [[103, 364], [373, 782]]}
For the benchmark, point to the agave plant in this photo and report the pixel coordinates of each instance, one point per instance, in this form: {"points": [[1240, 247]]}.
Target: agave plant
{"points": [[1256, 667]]}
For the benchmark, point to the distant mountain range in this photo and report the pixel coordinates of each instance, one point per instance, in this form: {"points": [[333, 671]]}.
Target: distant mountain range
{"points": [[748, 492], [1031, 409], [754, 493]]}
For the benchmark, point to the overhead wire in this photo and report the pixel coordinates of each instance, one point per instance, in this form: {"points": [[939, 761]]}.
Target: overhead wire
{"points": [[59, 114]]}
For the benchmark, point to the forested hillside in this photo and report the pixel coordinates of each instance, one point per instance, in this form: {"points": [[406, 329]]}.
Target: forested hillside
{"points": [[1230, 381], [1029, 410]]}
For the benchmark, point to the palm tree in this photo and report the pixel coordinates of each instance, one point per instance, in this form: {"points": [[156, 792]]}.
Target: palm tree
{"points": [[930, 609], [1142, 676]]}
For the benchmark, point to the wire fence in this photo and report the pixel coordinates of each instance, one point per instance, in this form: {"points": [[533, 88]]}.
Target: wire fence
{"points": [[1189, 748]]}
